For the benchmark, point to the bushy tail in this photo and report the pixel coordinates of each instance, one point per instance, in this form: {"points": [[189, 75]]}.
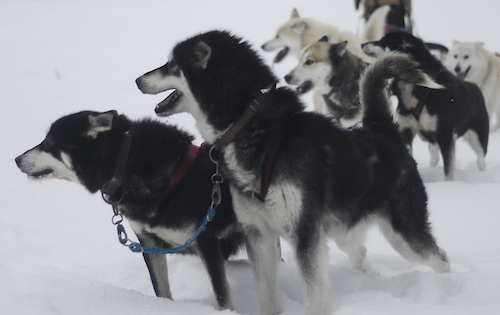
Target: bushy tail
{"points": [[373, 83]]}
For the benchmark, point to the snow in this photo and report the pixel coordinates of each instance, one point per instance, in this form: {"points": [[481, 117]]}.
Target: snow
{"points": [[59, 252]]}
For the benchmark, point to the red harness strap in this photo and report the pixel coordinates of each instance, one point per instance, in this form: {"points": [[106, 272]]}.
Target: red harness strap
{"points": [[390, 28], [418, 110], [182, 169]]}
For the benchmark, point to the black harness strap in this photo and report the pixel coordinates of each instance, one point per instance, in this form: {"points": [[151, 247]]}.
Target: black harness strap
{"points": [[270, 159], [115, 183]]}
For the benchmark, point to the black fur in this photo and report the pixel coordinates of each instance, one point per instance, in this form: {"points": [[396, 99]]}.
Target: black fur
{"points": [[224, 64], [156, 151], [340, 180]]}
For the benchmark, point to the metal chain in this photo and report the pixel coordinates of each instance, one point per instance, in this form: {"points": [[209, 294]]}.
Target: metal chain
{"points": [[217, 179], [117, 218]]}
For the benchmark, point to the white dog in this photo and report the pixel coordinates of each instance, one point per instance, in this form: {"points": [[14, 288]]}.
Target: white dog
{"points": [[470, 61]]}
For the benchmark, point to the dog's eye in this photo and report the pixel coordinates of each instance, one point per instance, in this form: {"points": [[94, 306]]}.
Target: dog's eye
{"points": [[308, 62], [466, 57], [47, 144]]}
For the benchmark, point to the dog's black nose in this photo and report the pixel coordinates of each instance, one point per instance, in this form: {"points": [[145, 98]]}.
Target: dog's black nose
{"points": [[18, 161], [288, 78], [457, 69]]}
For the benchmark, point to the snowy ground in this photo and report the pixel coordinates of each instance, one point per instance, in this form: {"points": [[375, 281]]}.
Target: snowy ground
{"points": [[59, 252]]}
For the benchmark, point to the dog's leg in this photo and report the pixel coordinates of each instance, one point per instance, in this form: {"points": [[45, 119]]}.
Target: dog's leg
{"points": [[434, 151], [352, 242], [408, 135], [496, 126], [312, 256], [415, 244], [472, 138], [447, 147], [261, 246], [263, 255], [211, 255], [157, 266]]}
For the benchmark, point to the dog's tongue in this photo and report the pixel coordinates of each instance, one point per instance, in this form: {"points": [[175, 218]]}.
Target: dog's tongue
{"points": [[304, 87], [163, 105], [282, 54], [463, 75]]}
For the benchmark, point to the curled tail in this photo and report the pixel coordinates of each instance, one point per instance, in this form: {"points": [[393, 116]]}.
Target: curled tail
{"points": [[373, 83]]}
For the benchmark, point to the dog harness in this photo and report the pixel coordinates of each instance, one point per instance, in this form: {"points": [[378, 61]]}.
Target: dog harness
{"points": [[390, 28], [256, 104], [266, 171], [416, 111], [110, 189], [184, 167]]}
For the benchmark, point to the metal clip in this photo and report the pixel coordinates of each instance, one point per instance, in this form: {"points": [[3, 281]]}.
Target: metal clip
{"points": [[122, 234]]}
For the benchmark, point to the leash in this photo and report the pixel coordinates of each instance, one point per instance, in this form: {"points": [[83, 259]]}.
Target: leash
{"points": [[110, 188], [235, 128], [217, 179]]}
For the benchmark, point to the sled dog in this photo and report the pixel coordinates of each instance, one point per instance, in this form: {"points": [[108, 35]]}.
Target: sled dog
{"points": [[300, 32], [294, 173], [334, 72], [166, 187], [472, 62], [386, 19], [437, 116]]}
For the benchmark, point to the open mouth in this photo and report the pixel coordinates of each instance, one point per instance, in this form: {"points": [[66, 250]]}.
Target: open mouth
{"points": [[169, 102], [304, 87], [281, 54], [41, 174], [463, 75]]}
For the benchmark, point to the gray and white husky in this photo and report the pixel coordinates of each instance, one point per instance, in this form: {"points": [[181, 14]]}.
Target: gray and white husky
{"points": [[294, 173]]}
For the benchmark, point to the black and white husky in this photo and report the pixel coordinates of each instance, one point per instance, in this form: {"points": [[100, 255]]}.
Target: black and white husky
{"points": [[334, 72], [166, 187], [293, 173], [437, 116]]}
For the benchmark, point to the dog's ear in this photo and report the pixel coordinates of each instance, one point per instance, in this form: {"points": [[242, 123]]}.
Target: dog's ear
{"points": [[340, 48], [455, 42], [299, 27], [202, 54], [295, 14], [100, 123], [323, 39]]}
